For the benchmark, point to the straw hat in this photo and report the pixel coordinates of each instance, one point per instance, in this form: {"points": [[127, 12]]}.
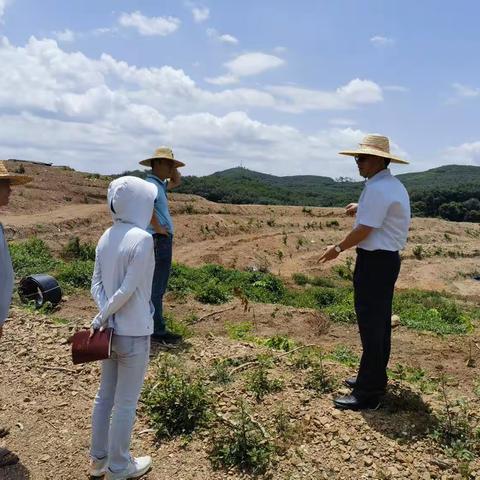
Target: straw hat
{"points": [[374, 145], [13, 177], [162, 153]]}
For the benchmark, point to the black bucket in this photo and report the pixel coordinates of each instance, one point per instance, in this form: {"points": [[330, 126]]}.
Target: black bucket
{"points": [[40, 289]]}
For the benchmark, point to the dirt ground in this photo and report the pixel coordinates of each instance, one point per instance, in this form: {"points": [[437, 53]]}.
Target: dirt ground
{"points": [[46, 401]]}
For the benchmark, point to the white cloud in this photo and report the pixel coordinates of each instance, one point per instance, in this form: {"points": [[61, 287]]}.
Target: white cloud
{"points": [[464, 91], [381, 41], [467, 153], [253, 64], [223, 38], [105, 114], [354, 93], [246, 65], [3, 6], [65, 35], [200, 14], [222, 80], [280, 49], [149, 26]]}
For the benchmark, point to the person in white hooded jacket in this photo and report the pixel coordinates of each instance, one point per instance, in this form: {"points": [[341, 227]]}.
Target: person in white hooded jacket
{"points": [[121, 288]]}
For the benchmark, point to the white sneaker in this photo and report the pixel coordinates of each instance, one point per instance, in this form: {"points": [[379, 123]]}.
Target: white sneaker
{"points": [[139, 466], [98, 468]]}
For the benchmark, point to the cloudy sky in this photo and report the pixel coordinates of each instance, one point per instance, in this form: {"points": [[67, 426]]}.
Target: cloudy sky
{"points": [[276, 85]]}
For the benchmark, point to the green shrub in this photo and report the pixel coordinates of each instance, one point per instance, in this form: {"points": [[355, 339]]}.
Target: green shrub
{"points": [[318, 378], [240, 331], [212, 292], [175, 403], [220, 372], [31, 257], [456, 430], [74, 249], [77, 273], [260, 385], [418, 252], [345, 271], [176, 326], [242, 445], [306, 357], [343, 310], [279, 342], [326, 296], [300, 279], [322, 282]]}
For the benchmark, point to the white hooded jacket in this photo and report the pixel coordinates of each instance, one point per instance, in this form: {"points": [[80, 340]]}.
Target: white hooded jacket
{"points": [[124, 263]]}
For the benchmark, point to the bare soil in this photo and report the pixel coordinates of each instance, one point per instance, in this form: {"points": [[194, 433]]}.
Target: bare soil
{"points": [[46, 401]]}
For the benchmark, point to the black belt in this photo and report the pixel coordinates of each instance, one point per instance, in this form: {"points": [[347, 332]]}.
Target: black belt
{"points": [[376, 253]]}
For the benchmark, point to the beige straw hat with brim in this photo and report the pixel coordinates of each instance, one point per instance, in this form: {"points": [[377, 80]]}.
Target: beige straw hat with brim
{"points": [[14, 178], [162, 153], [375, 145]]}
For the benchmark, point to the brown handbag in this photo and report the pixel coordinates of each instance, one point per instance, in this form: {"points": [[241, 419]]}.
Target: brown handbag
{"points": [[86, 349]]}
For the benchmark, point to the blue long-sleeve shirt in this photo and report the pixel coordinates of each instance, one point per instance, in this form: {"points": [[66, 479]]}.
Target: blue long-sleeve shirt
{"points": [[6, 278]]}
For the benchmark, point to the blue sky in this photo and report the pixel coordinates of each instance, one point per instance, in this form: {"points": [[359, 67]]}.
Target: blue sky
{"points": [[276, 85]]}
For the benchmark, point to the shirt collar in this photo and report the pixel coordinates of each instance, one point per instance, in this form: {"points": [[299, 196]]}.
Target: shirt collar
{"points": [[151, 175], [381, 174]]}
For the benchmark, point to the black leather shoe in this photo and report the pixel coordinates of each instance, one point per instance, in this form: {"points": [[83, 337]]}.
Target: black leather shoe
{"points": [[351, 402], [167, 337], [351, 382]]}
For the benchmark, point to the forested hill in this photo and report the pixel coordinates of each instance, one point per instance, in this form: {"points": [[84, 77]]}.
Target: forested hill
{"points": [[450, 191]]}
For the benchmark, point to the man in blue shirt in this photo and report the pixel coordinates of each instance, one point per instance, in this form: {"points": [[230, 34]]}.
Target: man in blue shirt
{"points": [[165, 176]]}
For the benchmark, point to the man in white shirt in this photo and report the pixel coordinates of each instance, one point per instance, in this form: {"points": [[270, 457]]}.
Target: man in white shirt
{"points": [[380, 232]]}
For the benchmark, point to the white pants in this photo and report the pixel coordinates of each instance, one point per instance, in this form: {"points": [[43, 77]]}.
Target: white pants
{"points": [[116, 400]]}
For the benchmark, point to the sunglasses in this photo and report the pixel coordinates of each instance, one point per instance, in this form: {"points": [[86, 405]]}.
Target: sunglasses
{"points": [[360, 158]]}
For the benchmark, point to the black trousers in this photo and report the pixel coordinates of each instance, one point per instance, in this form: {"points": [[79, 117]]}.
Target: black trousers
{"points": [[374, 280]]}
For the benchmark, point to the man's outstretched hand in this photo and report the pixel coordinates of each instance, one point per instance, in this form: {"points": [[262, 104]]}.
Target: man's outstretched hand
{"points": [[329, 254], [351, 209]]}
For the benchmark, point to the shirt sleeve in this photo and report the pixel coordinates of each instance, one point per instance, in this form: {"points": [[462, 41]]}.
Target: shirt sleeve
{"points": [[140, 261], [97, 290], [372, 208]]}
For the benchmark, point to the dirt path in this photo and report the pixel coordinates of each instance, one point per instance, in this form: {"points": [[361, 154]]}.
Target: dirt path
{"points": [[61, 214]]}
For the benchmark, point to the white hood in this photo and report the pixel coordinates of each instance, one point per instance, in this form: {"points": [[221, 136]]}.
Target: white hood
{"points": [[131, 200]]}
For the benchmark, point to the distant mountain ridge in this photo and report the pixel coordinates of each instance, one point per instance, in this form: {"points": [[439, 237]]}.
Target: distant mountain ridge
{"points": [[450, 191]]}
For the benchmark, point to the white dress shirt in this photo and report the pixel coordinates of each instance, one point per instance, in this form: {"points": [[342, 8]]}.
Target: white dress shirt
{"points": [[124, 263], [384, 205]]}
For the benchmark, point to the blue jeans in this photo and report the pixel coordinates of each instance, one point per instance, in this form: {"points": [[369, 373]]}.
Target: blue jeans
{"points": [[116, 400], [163, 246]]}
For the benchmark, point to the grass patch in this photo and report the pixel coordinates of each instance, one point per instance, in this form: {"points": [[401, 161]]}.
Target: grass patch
{"points": [[345, 356], [77, 274], [31, 257], [415, 376], [433, 311]]}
